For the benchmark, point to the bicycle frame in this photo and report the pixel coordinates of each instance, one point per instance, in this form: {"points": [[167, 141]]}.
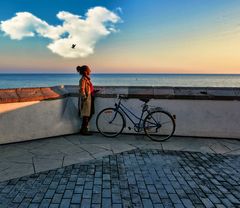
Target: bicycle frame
{"points": [[124, 110]]}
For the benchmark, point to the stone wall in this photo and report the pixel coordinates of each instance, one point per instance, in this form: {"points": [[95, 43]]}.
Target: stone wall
{"points": [[32, 113]]}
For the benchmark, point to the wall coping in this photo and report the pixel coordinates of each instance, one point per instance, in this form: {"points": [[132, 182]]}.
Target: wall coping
{"points": [[58, 92], [29, 94]]}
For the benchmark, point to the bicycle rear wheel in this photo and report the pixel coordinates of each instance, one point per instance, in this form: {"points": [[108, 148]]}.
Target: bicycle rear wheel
{"points": [[159, 125], [110, 122]]}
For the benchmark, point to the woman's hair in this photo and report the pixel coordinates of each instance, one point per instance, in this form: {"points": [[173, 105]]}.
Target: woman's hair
{"points": [[82, 69]]}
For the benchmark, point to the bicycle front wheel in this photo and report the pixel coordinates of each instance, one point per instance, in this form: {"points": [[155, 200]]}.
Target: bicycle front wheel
{"points": [[159, 125], [110, 122]]}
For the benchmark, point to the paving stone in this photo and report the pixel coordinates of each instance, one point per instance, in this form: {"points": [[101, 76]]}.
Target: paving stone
{"points": [[155, 198], [60, 189], [94, 206], [227, 202], [54, 206], [151, 189], [106, 177], [38, 198], [7, 189], [25, 203], [158, 206], [57, 198], [147, 203], [220, 206], [187, 203], [70, 185], [174, 198], [106, 184], [76, 199], [125, 193], [19, 197], [144, 193], [115, 189], [136, 199], [33, 205], [233, 199], [68, 194], [88, 185], [45, 203], [96, 198], [207, 202], [106, 193], [80, 181], [53, 185], [106, 202], [78, 189], [87, 194], [65, 203], [169, 188], [49, 194], [213, 199], [162, 193], [97, 189], [116, 198], [127, 203], [116, 205]]}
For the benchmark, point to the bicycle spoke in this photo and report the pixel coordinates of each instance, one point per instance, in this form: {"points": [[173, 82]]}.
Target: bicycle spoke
{"points": [[159, 125], [110, 122], [166, 122]]}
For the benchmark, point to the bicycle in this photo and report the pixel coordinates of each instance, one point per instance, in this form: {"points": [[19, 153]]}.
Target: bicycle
{"points": [[158, 124]]}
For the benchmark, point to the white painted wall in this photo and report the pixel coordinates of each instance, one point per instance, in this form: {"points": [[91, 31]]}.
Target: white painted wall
{"points": [[41, 119], [204, 118], [33, 120]]}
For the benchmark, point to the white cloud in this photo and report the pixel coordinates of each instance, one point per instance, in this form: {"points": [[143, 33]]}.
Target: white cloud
{"points": [[84, 32]]}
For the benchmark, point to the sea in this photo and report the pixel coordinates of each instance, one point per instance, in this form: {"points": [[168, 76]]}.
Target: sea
{"points": [[155, 80]]}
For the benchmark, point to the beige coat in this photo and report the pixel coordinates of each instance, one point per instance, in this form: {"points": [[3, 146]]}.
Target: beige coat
{"points": [[85, 95]]}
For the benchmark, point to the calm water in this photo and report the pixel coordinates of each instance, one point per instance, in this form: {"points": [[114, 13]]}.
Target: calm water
{"points": [[43, 80]]}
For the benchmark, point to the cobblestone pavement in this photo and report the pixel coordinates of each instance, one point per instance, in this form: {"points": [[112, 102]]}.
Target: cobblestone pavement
{"points": [[136, 178]]}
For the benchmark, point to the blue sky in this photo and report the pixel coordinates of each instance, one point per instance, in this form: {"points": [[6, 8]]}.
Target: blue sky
{"points": [[158, 36]]}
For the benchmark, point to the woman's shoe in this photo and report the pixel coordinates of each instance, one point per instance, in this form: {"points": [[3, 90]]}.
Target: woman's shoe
{"points": [[84, 131]]}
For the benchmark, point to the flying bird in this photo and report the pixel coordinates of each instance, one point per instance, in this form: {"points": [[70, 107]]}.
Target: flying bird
{"points": [[73, 46]]}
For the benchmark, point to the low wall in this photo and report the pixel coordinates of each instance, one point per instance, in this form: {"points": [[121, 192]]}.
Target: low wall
{"points": [[32, 113]]}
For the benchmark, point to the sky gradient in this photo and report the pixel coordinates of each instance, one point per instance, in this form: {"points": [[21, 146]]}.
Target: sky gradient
{"points": [[121, 36]]}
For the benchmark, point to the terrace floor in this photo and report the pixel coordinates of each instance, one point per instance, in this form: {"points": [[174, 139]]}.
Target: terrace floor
{"points": [[127, 171]]}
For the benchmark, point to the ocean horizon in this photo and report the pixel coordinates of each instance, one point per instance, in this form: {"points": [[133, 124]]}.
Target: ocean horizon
{"points": [[24, 80]]}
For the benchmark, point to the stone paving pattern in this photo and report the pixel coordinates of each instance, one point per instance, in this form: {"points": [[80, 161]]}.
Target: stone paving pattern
{"points": [[136, 178]]}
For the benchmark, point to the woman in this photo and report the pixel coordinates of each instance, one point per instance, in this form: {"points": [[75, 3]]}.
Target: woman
{"points": [[86, 104]]}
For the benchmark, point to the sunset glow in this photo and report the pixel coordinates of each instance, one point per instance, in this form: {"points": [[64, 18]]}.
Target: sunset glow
{"points": [[157, 36]]}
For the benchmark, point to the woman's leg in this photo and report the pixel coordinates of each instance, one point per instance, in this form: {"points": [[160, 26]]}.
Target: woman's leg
{"points": [[84, 128]]}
